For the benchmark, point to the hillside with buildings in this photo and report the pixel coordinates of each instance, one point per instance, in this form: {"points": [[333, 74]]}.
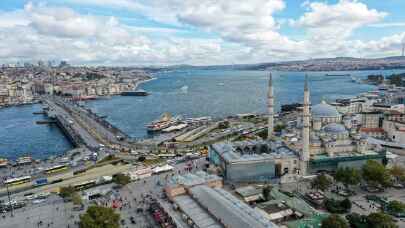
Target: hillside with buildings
{"points": [[324, 64], [22, 84]]}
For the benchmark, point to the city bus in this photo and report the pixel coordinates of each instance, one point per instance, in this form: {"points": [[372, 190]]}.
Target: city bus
{"points": [[56, 169], [17, 180], [85, 185]]}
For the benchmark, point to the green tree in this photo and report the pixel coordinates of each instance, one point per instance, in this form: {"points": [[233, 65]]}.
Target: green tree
{"points": [[380, 220], [334, 221], [375, 173], [263, 134], [357, 221], [336, 206], [76, 199], [346, 204], [121, 179], [321, 182], [348, 176], [99, 217], [398, 172], [279, 127], [67, 192], [266, 192], [396, 207]]}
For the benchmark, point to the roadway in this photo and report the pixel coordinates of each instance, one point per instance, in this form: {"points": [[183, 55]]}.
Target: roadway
{"points": [[69, 179], [87, 138]]}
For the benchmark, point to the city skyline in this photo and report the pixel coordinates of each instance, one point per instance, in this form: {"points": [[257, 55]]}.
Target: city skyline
{"points": [[135, 32]]}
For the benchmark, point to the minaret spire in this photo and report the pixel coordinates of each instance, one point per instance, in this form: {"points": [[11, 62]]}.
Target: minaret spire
{"points": [[270, 100], [305, 129]]}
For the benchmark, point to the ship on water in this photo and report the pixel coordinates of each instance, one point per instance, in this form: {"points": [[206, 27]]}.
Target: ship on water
{"points": [[140, 93], [337, 75], [3, 162], [165, 121], [24, 160]]}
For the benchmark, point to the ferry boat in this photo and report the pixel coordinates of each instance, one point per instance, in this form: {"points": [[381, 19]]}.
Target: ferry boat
{"points": [[165, 121], [3, 162], [24, 160], [337, 75], [140, 93]]}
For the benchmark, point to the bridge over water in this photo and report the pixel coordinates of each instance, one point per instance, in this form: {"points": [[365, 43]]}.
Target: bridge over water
{"points": [[83, 127]]}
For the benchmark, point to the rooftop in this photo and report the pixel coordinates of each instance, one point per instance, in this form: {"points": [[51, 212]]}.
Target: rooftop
{"points": [[252, 151], [228, 209], [324, 110], [192, 179], [335, 128], [248, 191], [200, 217]]}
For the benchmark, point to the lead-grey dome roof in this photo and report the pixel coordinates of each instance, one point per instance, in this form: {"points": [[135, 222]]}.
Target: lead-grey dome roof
{"points": [[324, 110], [334, 128]]}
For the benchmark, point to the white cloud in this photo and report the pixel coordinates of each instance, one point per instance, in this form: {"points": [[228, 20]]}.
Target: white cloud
{"points": [[61, 33], [338, 21], [387, 25], [246, 32]]}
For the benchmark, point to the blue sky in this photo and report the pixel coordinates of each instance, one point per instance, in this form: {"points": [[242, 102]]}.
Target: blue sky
{"points": [[200, 32]]}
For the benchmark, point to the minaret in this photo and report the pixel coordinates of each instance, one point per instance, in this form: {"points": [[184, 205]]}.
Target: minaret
{"points": [[305, 130], [270, 100]]}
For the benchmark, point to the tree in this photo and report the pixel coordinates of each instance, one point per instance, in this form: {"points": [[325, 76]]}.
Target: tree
{"points": [[279, 127], [396, 207], [266, 192], [380, 220], [321, 182], [348, 176], [262, 134], [67, 192], [121, 179], [398, 172], [334, 221], [346, 204], [356, 220], [99, 217], [375, 173], [76, 199], [336, 206]]}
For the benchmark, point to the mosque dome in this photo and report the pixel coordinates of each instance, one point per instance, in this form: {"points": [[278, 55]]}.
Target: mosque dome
{"points": [[334, 128], [324, 110]]}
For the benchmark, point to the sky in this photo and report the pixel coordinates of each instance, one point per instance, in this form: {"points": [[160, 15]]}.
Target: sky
{"points": [[198, 32]]}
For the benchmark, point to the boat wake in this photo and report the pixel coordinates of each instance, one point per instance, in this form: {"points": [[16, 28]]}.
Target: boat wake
{"points": [[184, 89]]}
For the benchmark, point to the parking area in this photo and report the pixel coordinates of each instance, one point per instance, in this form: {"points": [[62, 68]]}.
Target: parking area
{"points": [[131, 202]]}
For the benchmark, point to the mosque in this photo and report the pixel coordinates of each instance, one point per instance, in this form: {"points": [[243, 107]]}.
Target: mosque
{"points": [[326, 140], [330, 140]]}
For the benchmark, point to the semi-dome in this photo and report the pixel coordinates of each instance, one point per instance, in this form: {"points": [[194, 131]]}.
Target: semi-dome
{"points": [[334, 128], [324, 110]]}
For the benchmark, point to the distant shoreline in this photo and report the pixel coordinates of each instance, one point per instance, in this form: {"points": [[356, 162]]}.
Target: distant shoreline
{"points": [[142, 82]]}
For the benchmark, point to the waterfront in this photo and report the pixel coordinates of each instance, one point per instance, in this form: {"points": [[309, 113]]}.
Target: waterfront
{"points": [[188, 93], [219, 94], [20, 135]]}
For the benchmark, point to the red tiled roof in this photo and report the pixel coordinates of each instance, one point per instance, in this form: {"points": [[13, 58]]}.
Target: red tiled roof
{"points": [[371, 130]]}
